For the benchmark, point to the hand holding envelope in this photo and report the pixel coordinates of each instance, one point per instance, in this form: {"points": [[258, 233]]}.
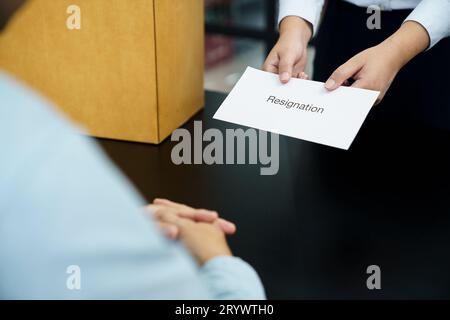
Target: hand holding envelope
{"points": [[301, 109]]}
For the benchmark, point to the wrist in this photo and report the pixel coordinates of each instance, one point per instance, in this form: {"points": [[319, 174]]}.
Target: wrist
{"points": [[207, 256], [410, 40], [293, 26], [393, 55]]}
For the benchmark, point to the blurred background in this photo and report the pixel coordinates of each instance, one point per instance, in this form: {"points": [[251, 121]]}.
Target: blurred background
{"points": [[239, 33]]}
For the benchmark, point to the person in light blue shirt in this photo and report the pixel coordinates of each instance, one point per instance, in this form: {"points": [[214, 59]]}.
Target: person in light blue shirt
{"points": [[72, 227]]}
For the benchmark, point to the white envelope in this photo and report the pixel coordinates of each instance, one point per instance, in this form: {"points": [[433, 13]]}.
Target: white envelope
{"points": [[301, 109]]}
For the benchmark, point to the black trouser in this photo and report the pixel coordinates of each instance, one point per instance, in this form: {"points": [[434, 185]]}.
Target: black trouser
{"points": [[420, 94]]}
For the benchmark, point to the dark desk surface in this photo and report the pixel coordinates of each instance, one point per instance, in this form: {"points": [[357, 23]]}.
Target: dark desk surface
{"points": [[312, 229]]}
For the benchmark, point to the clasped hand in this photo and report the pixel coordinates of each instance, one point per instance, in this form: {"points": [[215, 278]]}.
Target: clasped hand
{"points": [[201, 231]]}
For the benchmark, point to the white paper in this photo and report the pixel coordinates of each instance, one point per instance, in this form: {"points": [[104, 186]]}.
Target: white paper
{"points": [[312, 113]]}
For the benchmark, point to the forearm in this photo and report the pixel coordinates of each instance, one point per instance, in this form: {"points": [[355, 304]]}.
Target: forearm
{"points": [[297, 27], [433, 16], [407, 42]]}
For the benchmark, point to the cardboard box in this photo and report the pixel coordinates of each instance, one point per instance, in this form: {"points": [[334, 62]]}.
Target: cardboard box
{"points": [[133, 71]]}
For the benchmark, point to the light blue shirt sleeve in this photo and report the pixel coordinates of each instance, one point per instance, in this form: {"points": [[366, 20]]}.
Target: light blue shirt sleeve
{"points": [[63, 204], [434, 16], [221, 278]]}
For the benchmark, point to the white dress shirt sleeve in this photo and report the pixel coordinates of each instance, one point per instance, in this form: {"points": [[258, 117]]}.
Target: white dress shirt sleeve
{"points": [[434, 16], [310, 10]]}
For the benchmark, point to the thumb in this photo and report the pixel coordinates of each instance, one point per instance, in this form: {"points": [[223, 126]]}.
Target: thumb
{"points": [[341, 74], [286, 66]]}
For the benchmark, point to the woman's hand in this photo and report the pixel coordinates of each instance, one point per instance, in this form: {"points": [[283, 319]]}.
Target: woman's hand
{"points": [[196, 215], [204, 240], [376, 67], [288, 57]]}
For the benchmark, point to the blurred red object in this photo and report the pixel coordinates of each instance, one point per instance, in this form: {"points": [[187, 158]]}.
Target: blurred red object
{"points": [[218, 49]]}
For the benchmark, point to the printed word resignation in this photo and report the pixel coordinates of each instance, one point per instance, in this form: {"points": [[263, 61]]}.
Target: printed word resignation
{"points": [[291, 104]]}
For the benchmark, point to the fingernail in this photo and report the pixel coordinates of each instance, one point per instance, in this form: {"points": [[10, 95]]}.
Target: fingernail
{"points": [[214, 213], [330, 84], [231, 227], [171, 231], [228, 223], [284, 77]]}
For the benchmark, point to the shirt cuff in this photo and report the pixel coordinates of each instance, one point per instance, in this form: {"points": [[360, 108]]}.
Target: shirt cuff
{"points": [[231, 278], [433, 16], [309, 10]]}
